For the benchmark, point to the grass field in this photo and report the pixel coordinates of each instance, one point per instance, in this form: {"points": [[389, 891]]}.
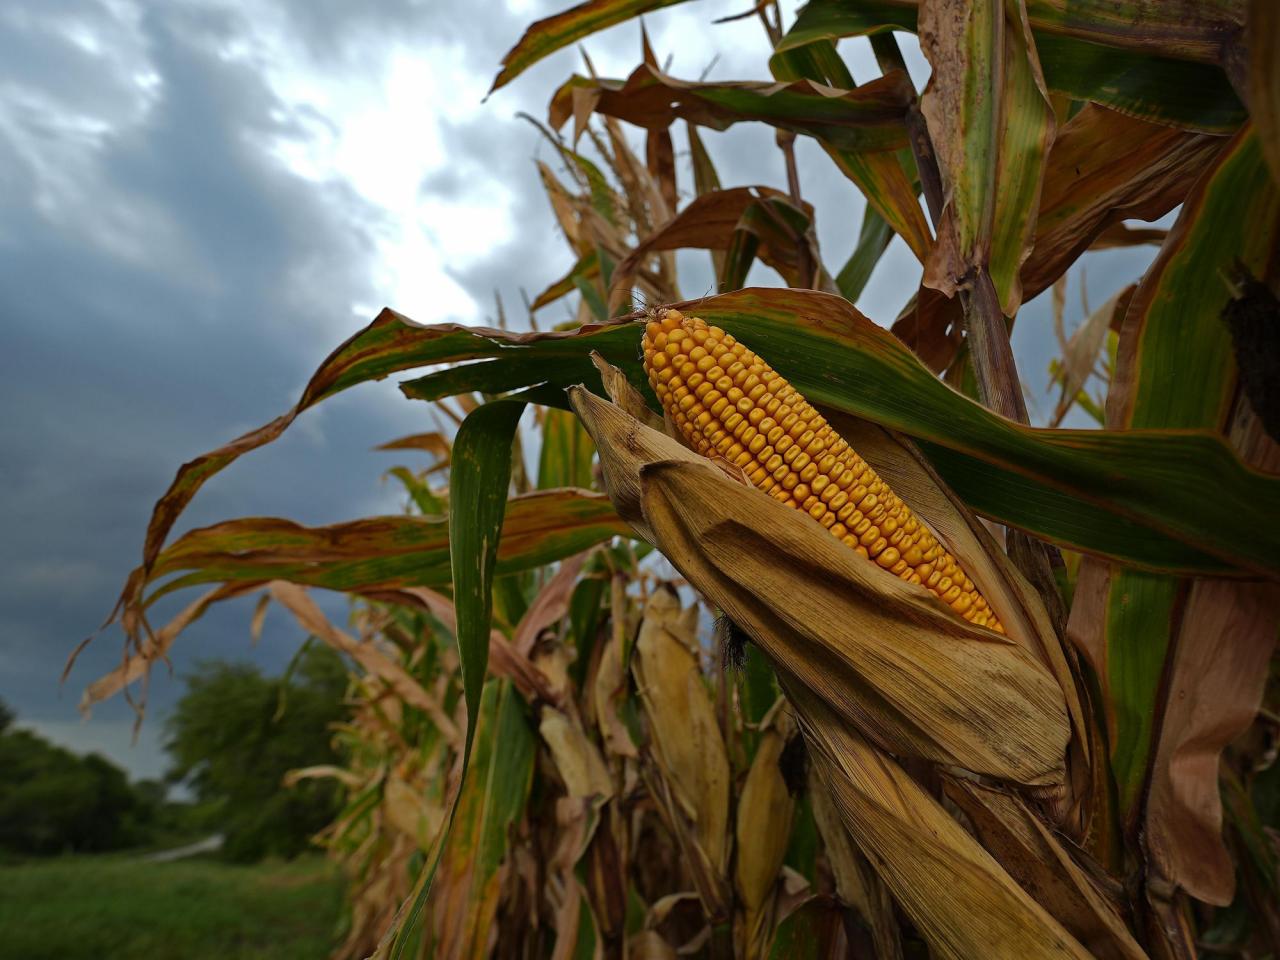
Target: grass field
{"points": [[117, 908]]}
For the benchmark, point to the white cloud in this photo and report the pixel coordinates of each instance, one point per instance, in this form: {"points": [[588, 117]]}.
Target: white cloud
{"points": [[383, 132]]}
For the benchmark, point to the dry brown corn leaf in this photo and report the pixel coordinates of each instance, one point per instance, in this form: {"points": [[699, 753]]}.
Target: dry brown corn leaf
{"points": [[888, 656], [576, 757], [765, 809], [371, 659], [550, 605], [1217, 679], [959, 898], [137, 665], [323, 771], [682, 722], [609, 685]]}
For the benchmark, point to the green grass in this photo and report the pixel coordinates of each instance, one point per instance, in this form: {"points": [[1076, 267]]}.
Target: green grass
{"points": [[116, 908]]}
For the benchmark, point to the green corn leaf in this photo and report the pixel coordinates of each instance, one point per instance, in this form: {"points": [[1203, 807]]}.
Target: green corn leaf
{"points": [[991, 124], [465, 894], [382, 553], [478, 482], [873, 240], [1157, 61], [479, 477], [554, 33], [1174, 336], [567, 452]]}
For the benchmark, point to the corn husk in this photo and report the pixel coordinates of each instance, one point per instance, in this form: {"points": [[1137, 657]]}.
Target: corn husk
{"points": [[859, 886], [959, 898], [885, 655], [609, 686], [1044, 865]]}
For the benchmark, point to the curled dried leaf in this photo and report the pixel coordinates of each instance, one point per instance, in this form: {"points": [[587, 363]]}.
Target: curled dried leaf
{"points": [[887, 655]]}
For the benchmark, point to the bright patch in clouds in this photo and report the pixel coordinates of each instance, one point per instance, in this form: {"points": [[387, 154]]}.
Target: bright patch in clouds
{"points": [[384, 132]]}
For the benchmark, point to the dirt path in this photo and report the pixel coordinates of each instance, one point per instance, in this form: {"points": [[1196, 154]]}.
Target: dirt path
{"points": [[207, 845]]}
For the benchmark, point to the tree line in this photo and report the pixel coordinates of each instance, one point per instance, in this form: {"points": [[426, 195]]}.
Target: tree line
{"points": [[233, 735]]}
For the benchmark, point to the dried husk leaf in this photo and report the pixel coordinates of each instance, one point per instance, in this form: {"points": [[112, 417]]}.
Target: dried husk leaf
{"points": [[576, 822], [649, 945], [1044, 866], [681, 919], [630, 443], [765, 809], [901, 465], [623, 394], [958, 897], [1020, 608], [856, 883], [682, 720], [554, 661], [887, 656]]}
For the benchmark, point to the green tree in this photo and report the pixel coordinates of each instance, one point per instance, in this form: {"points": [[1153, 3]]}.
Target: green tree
{"points": [[53, 801], [234, 735]]}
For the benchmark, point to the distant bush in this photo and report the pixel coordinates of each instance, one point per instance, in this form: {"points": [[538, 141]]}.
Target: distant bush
{"points": [[53, 801]]}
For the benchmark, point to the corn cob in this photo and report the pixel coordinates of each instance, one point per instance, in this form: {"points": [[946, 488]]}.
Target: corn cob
{"points": [[729, 403]]}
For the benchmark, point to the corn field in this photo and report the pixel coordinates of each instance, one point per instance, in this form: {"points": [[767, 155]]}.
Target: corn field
{"points": [[750, 626]]}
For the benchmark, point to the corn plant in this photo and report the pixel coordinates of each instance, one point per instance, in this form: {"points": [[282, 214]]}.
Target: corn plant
{"points": [[987, 689]]}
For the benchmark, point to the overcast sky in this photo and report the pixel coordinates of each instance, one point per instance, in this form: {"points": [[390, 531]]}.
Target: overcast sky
{"points": [[199, 199]]}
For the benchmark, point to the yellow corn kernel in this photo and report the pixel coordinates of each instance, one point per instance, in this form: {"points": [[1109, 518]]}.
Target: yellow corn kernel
{"points": [[718, 392]]}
